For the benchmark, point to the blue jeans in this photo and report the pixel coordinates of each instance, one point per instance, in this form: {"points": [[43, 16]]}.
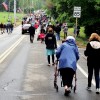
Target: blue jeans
{"points": [[58, 36]]}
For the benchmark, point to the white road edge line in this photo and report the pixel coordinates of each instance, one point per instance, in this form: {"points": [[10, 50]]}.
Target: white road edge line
{"points": [[84, 73]]}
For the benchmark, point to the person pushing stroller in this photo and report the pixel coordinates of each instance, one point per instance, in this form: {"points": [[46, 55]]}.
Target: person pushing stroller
{"points": [[68, 55], [42, 34]]}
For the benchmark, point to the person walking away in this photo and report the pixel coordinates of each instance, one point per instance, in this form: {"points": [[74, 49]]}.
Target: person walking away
{"points": [[51, 45], [8, 28], [1, 26], [67, 55], [57, 30], [78, 30], [93, 60], [11, 27], [65, 30], [75, 31], [4, 27], [32, 33], [49, 26], [42, 29]]}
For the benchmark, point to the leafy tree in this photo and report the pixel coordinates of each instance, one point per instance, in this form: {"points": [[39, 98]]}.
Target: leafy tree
{"points": [[90, 12]]}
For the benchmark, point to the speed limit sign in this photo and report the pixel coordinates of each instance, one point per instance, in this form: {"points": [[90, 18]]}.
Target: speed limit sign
{"points": [[77, 12]]}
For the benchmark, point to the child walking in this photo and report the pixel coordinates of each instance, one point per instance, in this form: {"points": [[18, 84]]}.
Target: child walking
{"points": [[51, 45]]}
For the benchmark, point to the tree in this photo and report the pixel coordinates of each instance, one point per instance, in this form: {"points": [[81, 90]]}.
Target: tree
{"points": [[89, 14]]}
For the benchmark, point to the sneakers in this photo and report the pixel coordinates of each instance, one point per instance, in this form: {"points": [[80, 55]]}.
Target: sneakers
{"points": [[89, 88], [48, 64], [53, 64], [97, 91]]}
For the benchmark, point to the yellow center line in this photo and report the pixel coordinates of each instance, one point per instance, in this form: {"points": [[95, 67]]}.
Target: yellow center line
{"points": [[9, 50]]}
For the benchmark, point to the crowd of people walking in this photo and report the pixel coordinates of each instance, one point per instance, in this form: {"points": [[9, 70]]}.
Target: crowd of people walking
{"points": [[6, 28], [68, 55]]}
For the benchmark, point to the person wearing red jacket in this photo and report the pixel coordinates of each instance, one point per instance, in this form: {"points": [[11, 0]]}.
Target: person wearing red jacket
{"points": [[36, 25]]}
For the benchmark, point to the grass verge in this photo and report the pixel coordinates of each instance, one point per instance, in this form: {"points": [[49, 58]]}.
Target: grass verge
{"points": [[5, 16], [81, 40]]}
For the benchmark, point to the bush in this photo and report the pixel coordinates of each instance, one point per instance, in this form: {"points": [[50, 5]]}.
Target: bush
{"points": [[92, 28], [70, 25]]}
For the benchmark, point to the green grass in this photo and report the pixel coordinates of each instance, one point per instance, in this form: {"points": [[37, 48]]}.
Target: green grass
{"points": [[5, 15], [81, 40]]}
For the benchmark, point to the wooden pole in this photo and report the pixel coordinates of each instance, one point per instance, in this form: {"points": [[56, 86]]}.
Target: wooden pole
{"points": [[76, 28]]}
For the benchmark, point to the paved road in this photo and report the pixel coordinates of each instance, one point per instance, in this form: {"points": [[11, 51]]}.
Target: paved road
{"points": [[26, 76], [39, 79]]}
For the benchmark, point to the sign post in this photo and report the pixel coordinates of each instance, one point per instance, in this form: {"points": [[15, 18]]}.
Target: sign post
{"points": [[76, 14]]}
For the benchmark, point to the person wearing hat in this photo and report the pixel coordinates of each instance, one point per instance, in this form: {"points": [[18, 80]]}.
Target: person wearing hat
{"points": [[51, 45], [68, 55]]}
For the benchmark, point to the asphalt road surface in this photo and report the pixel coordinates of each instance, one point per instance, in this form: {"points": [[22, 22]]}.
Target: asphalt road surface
{"points": [[24, 74]]}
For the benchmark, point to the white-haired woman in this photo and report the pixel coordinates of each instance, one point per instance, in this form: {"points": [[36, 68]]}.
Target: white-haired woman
{"points": [[68, 56]]}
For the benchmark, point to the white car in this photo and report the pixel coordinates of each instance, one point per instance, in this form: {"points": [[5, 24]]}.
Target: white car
{"points": [[25, 28]]}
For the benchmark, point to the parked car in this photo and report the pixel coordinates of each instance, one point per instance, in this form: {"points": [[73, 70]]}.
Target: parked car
{"points": [[25, 28]]}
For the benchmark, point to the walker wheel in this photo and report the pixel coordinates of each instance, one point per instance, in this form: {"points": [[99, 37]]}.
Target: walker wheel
{"points": [[74, 89], [61, 84], [57, 88]]}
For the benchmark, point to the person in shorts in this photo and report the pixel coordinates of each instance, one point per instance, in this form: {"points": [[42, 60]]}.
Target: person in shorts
{"points": [[51, 45]]}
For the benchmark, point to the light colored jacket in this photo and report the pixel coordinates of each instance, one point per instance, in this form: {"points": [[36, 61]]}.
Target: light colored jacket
{"points": [[68, 54]]}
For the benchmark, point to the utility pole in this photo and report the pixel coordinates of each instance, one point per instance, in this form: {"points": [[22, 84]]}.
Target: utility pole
{"points": [[32, 3], [14, 12], [30, 6], [9, 6], [23, 6], [9, 12]]}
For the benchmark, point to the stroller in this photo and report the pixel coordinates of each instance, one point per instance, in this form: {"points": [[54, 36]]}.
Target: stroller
{"points": [[41, 37], [55, 79]]}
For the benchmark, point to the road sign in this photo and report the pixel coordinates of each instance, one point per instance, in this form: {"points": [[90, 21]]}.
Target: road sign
{"points": [[77, 8], [77, 12]]}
